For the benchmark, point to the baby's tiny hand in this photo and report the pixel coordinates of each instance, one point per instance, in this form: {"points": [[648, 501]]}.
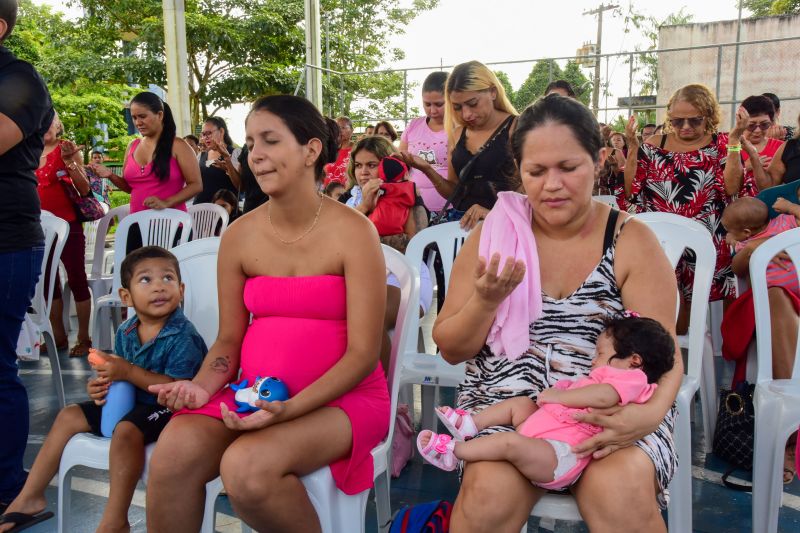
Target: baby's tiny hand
{"points": [[782, 205], [546, 396]]}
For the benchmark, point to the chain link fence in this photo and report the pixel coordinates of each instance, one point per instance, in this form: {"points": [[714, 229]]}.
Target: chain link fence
{"points": [[630, 82]]}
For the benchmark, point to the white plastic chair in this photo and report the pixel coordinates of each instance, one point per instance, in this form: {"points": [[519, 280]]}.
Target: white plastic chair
{"points": [[198, 262], [422, 368], [676, 233], [158, 228], [97, 257], [56, 231], [337, 511], [205, 218], [776, 401]]}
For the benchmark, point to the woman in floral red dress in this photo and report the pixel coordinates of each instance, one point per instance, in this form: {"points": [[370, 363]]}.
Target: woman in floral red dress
{"points": [[687, 171]]}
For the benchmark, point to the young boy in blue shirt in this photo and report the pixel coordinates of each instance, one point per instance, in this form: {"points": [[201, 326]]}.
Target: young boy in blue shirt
{"points": [[158, 345]]}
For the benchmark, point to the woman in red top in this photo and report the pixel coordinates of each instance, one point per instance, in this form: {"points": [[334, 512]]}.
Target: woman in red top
{"points": [[337, 171], [61, 163], [762, 117]]}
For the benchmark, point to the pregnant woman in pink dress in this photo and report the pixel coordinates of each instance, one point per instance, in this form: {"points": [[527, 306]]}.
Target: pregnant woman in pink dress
{"points": [[316, 325]]}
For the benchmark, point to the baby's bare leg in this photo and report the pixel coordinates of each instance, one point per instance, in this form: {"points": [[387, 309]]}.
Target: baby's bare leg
{"points": [[534, 458], [513, 411]]}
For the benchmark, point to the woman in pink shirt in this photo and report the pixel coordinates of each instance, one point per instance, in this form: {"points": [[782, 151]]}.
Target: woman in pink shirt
{"points": [[161, 169], [426, 138]]}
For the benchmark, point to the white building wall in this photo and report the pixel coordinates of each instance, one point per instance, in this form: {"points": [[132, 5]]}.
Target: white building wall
{"points": [[767, 67]]}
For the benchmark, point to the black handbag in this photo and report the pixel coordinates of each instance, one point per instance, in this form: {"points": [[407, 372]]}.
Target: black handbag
{"points": [[735, 429]]}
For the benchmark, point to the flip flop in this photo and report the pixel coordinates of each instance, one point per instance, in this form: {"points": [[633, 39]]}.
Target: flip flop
{"points": [[450, 417], [23, 521]]}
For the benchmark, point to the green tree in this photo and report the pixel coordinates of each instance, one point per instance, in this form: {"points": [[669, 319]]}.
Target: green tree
{"points": [[766, 8], [236, 49], [75, 70], [506, 83], [580, 83], [542, 73]]}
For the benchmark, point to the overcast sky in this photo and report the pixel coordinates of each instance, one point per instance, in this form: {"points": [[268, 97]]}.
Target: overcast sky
{"points": [[510, 30]]}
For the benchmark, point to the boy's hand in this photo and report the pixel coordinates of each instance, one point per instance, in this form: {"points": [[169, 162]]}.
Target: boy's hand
{"points": [[115, 369], [180, 394], [98, 389]]}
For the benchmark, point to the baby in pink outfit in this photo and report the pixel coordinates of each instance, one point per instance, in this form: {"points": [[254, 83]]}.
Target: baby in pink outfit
{"points": [[632, 354]]}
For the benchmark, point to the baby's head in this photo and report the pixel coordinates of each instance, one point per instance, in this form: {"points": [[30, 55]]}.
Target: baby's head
{"points": [[744, 218], [630, 342], [225, 199], [151, 282], [334, 189]]}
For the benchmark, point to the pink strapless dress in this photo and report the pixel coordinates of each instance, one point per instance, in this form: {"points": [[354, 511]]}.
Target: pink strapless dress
{"points": [[299, 331]]}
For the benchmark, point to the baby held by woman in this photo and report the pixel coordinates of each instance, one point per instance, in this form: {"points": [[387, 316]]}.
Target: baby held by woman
{"points": [[631, 355]]}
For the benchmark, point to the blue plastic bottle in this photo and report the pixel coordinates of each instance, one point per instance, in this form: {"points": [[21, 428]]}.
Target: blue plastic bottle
{"points": [[120, 400]]}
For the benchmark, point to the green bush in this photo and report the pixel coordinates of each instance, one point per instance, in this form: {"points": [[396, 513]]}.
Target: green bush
{"points": [[119, 198]]}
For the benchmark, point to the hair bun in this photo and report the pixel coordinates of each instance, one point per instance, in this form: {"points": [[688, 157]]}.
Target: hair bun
{"points": [[332, 146]]}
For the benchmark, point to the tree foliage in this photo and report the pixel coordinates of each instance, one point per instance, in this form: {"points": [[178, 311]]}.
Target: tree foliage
{"points": [[73, 61], [766, 8], [545, 71]]}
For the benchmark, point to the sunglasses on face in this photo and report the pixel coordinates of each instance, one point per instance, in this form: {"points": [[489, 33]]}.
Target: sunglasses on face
{"points": [[694, 122], [207, 133], [763, 126]]}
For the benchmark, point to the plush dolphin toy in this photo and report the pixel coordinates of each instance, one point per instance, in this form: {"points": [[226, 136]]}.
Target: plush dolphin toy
{"points": [[268, 389]]}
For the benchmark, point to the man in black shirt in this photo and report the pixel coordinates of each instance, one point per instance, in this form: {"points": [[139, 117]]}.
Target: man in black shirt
{"points": [[25, 115]]}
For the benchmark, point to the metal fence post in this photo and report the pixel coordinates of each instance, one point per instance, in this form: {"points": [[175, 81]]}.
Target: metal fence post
{"points": [[719, 72], [341, 93], [550, 71], [630, 85], [405, 99]]}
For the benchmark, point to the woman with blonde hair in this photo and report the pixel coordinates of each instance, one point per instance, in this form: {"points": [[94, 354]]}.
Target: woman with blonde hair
{"points": [[478, 120], [688, 171]]}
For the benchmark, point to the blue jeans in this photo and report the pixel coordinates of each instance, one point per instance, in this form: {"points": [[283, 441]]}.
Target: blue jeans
{"points": [[19, 272]]}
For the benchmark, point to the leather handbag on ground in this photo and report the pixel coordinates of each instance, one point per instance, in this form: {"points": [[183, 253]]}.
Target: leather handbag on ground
{"points": [[734, 433], [88, 208]]}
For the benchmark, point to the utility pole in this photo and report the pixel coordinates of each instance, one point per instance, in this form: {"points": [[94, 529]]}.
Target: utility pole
{"points": [[596, 91]]}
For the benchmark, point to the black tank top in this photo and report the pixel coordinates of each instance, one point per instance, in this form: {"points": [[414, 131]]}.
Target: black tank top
{"points": [[791, 159], [214, 179], [490, 173]]}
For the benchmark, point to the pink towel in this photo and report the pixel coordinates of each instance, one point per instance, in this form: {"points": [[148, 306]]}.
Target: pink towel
{"points": [[507, 231]]}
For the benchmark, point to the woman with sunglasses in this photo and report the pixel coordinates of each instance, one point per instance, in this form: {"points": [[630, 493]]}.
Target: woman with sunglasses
{"points": [[687, 171], [758, 150], [783, 167]]}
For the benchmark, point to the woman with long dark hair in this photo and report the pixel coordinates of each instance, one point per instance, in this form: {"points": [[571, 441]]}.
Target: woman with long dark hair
{"points": [[282, 264], [219, 163], [160, 169]]}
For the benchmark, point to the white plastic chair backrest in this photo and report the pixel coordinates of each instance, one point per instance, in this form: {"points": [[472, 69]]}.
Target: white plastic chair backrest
{"points": [[676, 234], [158, 228], [101, 233], [608, 199], [788, 241], [205, 218], [449, 238], [90, 235], [56, 231], [407, 274], [198, 263]]}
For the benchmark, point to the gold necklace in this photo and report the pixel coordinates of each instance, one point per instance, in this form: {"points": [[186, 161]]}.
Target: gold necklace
{"points": [[306, 232]]}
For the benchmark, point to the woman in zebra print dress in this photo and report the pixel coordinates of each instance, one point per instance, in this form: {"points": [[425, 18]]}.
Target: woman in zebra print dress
{"points": [[593, 262]]}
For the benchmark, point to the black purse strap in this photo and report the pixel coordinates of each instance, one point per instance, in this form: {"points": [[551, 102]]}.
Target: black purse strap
{"points": [[731, 484], [464, 174]]}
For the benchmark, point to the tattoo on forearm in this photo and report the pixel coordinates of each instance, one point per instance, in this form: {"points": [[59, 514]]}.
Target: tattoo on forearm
{"points": [[221, 365]]}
